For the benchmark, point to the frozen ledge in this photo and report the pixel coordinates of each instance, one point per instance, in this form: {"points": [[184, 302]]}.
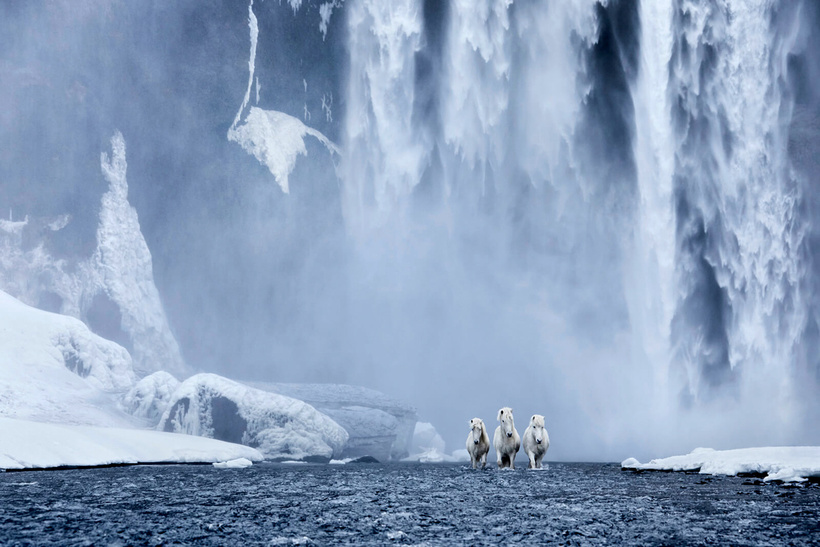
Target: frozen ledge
{"points": [[34, 445], [777, 463]]}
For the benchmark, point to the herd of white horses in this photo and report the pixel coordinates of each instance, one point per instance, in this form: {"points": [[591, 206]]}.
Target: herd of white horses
{"points": [[507, 442]]}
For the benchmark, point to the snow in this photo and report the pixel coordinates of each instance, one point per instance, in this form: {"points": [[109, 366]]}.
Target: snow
{"points": [[784, 463], [281, 427], [54, 369], [31, 445], [149, 398], [239, 463], [276, 139]]}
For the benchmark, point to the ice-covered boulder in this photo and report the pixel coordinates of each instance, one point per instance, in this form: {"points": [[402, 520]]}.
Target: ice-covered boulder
{"points": [[54, 369], [280, 427], [149, 398], [378, 425]]}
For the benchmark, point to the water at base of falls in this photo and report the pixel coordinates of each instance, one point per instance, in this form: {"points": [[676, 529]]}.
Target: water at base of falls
{"points": [[448, 504]]}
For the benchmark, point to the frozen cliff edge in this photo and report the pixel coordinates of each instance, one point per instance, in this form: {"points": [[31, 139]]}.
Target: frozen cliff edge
{"points": [[33, 445], [280, 427], [780, 463]]}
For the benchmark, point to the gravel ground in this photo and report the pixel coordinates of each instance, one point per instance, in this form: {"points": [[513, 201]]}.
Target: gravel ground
{"points": [[402, 504]]}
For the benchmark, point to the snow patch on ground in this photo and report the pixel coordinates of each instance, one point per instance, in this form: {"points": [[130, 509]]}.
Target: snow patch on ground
{"points": [[239, 463], [31, 445], [782, 463]]}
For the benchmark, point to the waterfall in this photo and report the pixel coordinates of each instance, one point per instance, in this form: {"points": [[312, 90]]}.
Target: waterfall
{"points": [[650, 195]]}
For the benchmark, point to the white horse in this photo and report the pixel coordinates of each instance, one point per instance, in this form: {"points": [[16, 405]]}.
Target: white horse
{"points": [[506, 440], [536, 441], [478, 443]]}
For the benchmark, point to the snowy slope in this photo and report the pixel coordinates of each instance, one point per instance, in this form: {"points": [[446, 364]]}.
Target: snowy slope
{"points": [[26, 445], [281, 427], [783, 463], [53, 369]]}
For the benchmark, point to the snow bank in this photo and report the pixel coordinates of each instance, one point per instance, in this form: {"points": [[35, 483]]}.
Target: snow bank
{"points": [[149, 398], [280, 426], [54, 369], [30, 445], [785, 463]]}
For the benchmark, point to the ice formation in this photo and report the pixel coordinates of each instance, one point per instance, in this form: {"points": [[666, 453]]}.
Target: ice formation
{"points": [[120, 270], [378, 425], [280, 427]]}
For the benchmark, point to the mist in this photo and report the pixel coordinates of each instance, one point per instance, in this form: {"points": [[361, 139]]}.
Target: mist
{"points": [[580, 209]]}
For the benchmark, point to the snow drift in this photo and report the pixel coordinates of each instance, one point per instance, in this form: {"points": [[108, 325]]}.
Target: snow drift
{"points": [[782, 463]]}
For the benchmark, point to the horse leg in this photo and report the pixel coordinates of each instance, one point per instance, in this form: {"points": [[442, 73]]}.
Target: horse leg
{"points": [[500, 459]]}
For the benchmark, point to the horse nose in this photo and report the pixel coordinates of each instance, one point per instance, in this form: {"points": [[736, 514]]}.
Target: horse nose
{"points": [[475, 442], [509, 434], [538, 441]]}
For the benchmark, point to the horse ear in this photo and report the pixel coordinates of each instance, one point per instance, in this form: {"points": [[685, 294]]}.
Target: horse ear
{"points": [[500, 412]]}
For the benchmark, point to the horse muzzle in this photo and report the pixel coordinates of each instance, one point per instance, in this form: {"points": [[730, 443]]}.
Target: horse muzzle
{"points": [[538, 441], [475, 442], [509, 434]]}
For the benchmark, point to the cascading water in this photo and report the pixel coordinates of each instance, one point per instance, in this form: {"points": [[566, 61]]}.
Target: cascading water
{"points": [[627, 213]]}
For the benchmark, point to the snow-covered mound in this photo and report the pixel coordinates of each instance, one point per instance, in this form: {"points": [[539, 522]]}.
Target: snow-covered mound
{"points": [[149, 398], [54, 369], [782, 463], [378, 425], [28, 445], [280, 426]]}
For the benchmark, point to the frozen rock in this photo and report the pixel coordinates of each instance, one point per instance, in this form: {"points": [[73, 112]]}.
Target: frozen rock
{"points": [[280, 427], [378, 425], [149, 398]]}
